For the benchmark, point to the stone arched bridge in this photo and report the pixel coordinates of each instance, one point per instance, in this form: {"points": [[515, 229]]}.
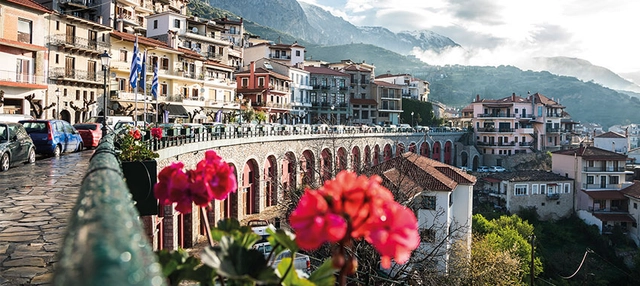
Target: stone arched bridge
{"points": [[267, 165]]}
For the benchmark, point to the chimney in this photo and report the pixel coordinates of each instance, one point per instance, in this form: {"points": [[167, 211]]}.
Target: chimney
{"points": [[119, 26], [477, 97], [513, 96]]}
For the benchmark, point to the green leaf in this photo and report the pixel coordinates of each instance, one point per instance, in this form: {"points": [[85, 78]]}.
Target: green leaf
{"points": [[283, 238], [232, 260], [291, 278], [324, 275]]}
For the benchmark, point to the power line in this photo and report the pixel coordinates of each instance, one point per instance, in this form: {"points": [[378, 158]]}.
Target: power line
{"points": [[581, 264]]}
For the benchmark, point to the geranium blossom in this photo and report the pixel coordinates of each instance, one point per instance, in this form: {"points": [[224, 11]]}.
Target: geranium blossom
{"points": [[393, 232], [212, 179], [135, 133], [319, 224], [156, 132]]}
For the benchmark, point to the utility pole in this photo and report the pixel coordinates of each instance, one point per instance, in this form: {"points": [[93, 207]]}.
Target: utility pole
{"points": [[531, 272]]}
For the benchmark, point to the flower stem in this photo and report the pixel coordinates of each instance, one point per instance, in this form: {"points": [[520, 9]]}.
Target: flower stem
{"points": [[206, 225]]}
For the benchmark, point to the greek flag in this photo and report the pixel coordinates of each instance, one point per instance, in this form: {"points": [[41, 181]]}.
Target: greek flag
{"points": [[136, 65], [154, 81], [143, 72]]}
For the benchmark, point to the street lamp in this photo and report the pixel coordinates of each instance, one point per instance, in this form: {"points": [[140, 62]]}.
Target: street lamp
{"points": [[105, 59], [411, 118], [57, 92], [333, 107]]}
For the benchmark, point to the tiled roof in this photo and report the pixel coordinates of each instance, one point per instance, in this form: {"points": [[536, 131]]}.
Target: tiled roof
{"points": [[590, 152], [614, 217], [468, 108], [263, 71], [356, 68], [610, 134], [363, 101], [30, 4], [527, 176], [633, 190], [605, 195], [324, 70], [387, 84], [141, 40], [414, 173]]}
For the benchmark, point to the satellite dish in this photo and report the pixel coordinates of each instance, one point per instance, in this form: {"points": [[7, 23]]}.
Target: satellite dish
{"points": [[194, 30]]}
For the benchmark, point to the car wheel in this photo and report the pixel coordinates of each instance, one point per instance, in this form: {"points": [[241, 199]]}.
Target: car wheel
{"points": [[4, 162], [32, 156], [57, 151], [80, 147]]}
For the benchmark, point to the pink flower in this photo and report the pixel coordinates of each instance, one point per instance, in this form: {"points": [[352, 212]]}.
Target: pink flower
{"points": [[172, 181], [156, 132], [393, 233], [215, 176], [135, 133], [314, 223]]}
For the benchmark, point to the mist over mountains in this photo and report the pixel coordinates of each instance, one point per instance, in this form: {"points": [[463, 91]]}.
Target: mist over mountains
{"points": [[591, 93]]}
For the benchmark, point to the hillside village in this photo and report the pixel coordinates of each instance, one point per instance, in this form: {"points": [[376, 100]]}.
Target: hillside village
{"points": [[73, 61]]}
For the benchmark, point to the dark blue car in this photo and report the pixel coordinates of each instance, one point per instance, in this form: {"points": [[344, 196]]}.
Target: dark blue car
{"points": [[53, 137], [15, 145]]}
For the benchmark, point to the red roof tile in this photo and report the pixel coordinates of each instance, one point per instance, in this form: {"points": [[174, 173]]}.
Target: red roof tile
{"points": [[363, 101], [30, 4], [324, 70], [610, 134], [614, 217], [605, 195]]}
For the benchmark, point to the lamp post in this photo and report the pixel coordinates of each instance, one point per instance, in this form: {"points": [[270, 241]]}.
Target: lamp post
{"points": [[57, 92], [240, 97], [333, 107], [411, 118], [105, 59]]}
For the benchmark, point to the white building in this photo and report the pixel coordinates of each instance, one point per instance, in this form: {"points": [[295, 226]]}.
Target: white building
{"points": [[612, 141], [286, 54], [300, 88], [633, 193], [441, 197], [412, 87]]}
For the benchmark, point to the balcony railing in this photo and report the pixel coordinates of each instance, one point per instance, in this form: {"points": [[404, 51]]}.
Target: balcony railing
{"points": [[601, 186], [551, 197], [77, 42], [12, 76], [604, 169], [75, 74], [281, 57], [525, 144]]}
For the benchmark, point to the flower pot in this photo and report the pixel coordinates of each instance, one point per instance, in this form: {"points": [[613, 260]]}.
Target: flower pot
{"points": [[140, 177]]}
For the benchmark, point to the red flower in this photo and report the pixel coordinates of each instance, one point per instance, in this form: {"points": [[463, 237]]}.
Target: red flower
{"points": [[135, 133], [212, 179], [156, 132], [393, 232], [314, 222]]}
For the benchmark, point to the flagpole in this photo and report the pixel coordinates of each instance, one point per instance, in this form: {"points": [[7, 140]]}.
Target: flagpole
{"points": [[144, 85]]}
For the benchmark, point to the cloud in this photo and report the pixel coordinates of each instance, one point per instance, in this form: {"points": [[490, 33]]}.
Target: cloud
{"points": [[484, 11]]}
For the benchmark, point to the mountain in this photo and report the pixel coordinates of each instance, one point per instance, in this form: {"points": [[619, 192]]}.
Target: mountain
{"points": [[583, 70]]}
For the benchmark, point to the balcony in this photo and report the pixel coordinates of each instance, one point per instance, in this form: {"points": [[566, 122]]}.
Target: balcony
{"points": [[497, 115], [61, 73], [604, 169], [212, 56], [526, 130], [526, 144], [553, 197], [605, 186], [279, 57], [12, 76]]}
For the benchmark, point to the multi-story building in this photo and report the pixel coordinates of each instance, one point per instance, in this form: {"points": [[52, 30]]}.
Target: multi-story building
{"points": [[389, 98], [265, 90], [328, 95], [363, 104], [234, 33], [412, 87], [550, 194], [286, 54], [441, 197], [633, 194], [600, 177], [515, 124], [23, 49], [613, 141], [76, 77]]}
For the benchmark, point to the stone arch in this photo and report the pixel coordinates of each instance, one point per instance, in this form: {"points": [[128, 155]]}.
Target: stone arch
{"points": [[376, 155], [436, 151], [399, 149], [448, 152], [230, 204], [464, 159], [308, 168], [476, 162], [413, 148], [424, 149], [356, 164], [326, 164], [250, 187], [387, 152], [367, 156], [341, 160], [288, 177], [271, 181]]}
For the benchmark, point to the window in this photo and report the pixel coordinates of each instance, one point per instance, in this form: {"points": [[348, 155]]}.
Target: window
{"points": [[567, 188], [164, 63], [590, 179], [77, 95], [57, 25], [155, 24], [520, 190], [123, 56], [176, 23], [297, 53], [543, 189], [164, 89], [635, 205], [245, 82], [428, 235], [24, 31], [614, 179], [261, 81], [534, 189], [428, 202]]}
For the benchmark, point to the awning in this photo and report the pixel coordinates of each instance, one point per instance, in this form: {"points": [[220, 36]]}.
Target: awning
{"points": [[176, 111], [614, 217], [605, 195]]}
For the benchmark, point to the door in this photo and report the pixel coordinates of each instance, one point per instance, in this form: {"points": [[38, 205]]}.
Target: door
{"points": [[71, 35], [603, 182]]}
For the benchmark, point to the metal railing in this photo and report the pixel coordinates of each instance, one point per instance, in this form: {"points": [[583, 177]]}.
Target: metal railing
{"points": [[76, 74], [105, 243], [604, 169], [78, 42]]}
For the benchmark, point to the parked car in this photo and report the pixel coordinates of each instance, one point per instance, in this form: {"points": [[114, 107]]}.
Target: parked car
{"points": [[53, 137], [482, 169], [91, 133], [15, 145], [496, 169], [301, 262], [124, 123], [111, 120], [14, 117]]}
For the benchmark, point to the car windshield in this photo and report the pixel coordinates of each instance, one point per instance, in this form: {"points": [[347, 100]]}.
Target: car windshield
{"points": [[85, 126], [3, 133], [35, 127]]}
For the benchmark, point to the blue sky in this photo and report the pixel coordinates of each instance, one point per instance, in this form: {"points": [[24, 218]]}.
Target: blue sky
{"points": [[494, 32]]}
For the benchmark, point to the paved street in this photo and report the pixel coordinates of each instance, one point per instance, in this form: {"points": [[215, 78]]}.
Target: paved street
{"points": [[35, 204]]}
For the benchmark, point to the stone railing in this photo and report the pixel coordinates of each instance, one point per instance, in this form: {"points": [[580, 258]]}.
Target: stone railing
{"points": [[105, 243]]}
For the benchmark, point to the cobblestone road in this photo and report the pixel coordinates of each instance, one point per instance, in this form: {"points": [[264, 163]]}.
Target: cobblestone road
{"points": [[35, 204]]}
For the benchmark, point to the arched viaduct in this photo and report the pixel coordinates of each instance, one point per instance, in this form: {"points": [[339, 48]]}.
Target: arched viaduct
{"points": [[266, 167]]}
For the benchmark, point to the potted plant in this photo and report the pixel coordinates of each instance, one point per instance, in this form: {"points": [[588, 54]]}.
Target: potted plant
{"points": [[139, 167]]}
